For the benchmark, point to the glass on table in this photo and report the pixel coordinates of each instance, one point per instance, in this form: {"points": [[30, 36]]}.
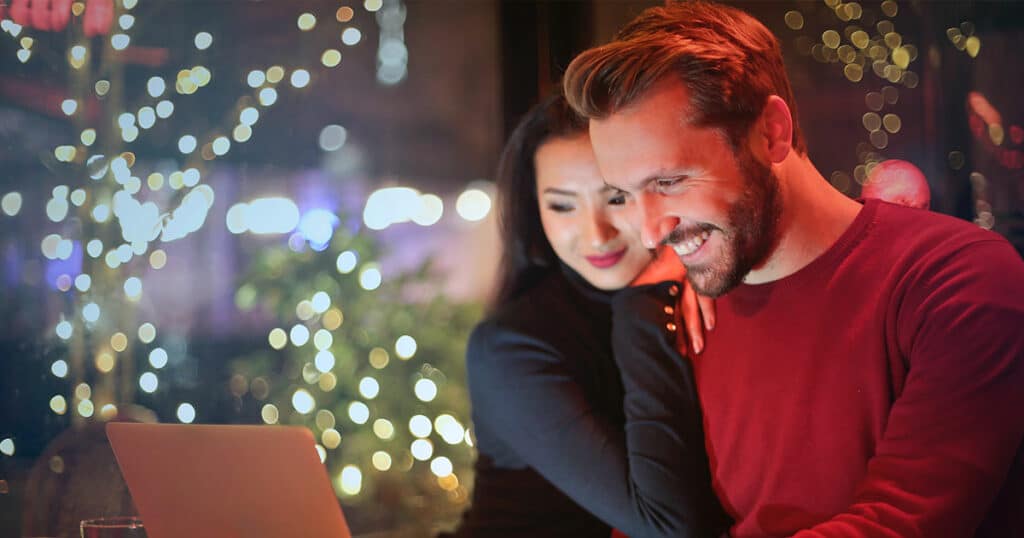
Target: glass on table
{"points": [[113, 527]]}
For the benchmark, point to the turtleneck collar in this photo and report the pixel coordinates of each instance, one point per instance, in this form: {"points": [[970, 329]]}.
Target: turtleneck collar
{"points": [[585, 288]]}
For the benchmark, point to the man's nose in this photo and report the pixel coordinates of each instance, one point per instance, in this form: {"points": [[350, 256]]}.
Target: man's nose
{"points": [[656, 222]]}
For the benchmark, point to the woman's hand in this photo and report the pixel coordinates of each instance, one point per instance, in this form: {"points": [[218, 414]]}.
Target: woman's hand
{"points": [[695, 312]]}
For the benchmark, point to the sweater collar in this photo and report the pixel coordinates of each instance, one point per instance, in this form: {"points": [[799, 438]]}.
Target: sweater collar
{"points": [[585, 288]]}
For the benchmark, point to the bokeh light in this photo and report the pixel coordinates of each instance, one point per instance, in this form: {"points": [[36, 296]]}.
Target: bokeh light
{"points": [[370, 278], [156, 86], [269, 414], [148, 382], [358, 412], [91, 312], [441, 466], [203, 40], [369, 388], [278, 338], [350, 480], [306, 22], [381, 460], [332, 137], [330, 58], [300, 78], [425, 390], [384, 429], [186, 413], [405, 346], [59, 368], [58, 404], [449, 429], [324, 361], [11, 203], [303, 401], [473, 205], [351, 36], [299, 335], [346, 262], [422, 449], [420, 426], [64, 330], [158, 358]]}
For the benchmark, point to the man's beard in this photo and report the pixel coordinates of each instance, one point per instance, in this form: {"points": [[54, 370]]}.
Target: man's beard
{"points": [[751, 233]]}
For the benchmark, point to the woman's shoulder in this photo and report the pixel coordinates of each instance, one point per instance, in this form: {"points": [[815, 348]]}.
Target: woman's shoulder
{"points": [[542, 318]]}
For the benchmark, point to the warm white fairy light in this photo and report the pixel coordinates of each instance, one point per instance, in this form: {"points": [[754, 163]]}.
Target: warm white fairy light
{"points": [[300, 78], [350, 481], [203, 40], [158, 358], [11, 203], [369, 388], [351, 36], [149, 382], [91, 312], [164, 109], [425, 390], [59, 368], [324, 361], [119, 41], [186, 413], [346, 262]]}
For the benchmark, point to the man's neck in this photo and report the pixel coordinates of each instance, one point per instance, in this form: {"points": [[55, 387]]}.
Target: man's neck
{"points": [[813, 217]]}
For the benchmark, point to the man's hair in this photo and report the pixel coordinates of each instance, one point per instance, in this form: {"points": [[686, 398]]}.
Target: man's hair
{"points": [[729, 62]]}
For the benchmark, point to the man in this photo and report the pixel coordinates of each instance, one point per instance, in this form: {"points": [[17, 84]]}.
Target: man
{"points": [[866, 373]]}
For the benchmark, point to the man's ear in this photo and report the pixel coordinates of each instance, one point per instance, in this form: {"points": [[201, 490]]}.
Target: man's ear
{"points": [[776, 129]]}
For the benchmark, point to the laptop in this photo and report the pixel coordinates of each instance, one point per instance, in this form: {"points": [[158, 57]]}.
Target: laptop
{"points": [[206, 481]]}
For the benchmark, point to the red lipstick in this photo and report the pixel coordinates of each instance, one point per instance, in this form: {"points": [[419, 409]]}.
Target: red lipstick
{"points": [[605, 261]]}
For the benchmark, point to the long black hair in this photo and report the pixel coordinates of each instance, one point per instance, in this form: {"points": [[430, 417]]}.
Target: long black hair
{"points": [[527, 255]]}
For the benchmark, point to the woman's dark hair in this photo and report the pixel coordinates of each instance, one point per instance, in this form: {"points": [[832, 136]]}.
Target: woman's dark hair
{"points": [[526, 255]]}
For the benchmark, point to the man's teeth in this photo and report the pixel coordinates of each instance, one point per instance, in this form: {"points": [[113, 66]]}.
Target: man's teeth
{"points": [[683, 248]]}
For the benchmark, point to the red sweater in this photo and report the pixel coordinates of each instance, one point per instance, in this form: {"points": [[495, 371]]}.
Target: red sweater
{"points": [[879, 391]]}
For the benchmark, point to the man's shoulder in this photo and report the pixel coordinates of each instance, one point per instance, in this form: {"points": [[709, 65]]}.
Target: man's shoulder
{"points": [[919, 236]]}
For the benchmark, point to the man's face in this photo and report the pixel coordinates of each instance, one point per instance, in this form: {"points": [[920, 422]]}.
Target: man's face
{"points": [[717, 208]]}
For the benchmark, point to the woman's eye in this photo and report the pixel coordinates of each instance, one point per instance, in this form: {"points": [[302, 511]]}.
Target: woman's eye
{"points": [[619, 199], [560, 208], [668, 182]]}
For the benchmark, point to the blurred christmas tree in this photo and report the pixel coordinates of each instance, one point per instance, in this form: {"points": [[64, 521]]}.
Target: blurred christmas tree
{"points": [[374, 369]]}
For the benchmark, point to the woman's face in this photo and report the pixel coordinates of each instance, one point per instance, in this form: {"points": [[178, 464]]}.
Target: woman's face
{"points": [[584, 219]]}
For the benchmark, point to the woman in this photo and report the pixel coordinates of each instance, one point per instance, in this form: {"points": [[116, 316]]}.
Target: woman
{"points": [[585, 414]]}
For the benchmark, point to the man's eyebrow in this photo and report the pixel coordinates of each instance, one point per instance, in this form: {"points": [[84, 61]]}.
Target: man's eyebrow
{"points": [[657, 174]]}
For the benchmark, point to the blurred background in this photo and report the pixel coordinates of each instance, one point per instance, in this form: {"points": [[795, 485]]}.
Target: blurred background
{"points": [[280, 211]]}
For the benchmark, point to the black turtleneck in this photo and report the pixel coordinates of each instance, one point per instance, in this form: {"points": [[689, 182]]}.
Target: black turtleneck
{"points": [[575, 438]]}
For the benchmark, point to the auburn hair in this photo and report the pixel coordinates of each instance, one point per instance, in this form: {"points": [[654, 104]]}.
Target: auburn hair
{"points": [[729, 62]]}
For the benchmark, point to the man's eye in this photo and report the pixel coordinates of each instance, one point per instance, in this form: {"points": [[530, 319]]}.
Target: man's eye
{"points": [[618, 199], [669, 183]]}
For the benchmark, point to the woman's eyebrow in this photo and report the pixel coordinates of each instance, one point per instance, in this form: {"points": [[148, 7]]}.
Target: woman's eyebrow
{"points": [[553, 190]]}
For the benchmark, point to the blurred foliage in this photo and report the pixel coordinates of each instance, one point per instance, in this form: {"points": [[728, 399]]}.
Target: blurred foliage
{"points": [[408, 493]]}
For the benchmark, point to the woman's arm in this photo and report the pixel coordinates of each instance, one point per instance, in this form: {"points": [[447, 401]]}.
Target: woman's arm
{"points": [[649, 480]]}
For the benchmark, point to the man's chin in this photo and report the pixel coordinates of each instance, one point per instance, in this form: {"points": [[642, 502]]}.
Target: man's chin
{"points": [[708, 282]]}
